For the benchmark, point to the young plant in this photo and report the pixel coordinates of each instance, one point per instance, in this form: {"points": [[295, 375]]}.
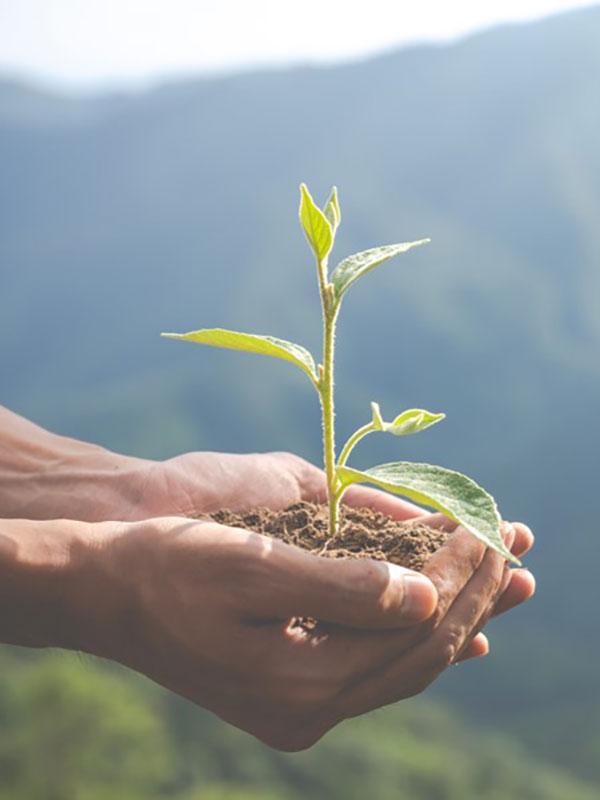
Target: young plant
{"points": [[450, 492]]}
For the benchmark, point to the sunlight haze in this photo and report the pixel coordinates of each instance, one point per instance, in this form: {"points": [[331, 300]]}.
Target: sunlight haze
{"points": [[94, 43]]}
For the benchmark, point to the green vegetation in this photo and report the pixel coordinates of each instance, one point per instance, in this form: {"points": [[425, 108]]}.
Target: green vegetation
{"points": [[490, 145], [450, 492], [73, 728], [73, 731]]}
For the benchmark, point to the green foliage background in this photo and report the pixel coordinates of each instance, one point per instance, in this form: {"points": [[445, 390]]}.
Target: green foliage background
{"points": [[125, 215], [76, 729]]}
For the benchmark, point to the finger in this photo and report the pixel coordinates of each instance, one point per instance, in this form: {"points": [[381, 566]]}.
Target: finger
{"points": [[487, 612], [449, 569], [469, 612], [520, 589], [450, 572], [478, 647], [365, 497], [523, 542], [452, 566], [415, 670], [441, 522], [360, 593], [524, 539]]}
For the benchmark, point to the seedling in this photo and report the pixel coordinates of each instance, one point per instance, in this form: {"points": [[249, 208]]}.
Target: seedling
{"points": [[450, 492]]}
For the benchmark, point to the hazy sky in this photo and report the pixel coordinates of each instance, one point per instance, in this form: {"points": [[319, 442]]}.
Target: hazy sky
{"points": [[87, 42]]}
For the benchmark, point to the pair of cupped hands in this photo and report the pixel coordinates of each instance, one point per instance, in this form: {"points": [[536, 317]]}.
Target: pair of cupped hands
{"points": [[205, 609]]}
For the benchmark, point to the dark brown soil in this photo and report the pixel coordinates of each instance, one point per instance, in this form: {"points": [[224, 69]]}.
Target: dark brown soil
{"points": [[363, 533]]}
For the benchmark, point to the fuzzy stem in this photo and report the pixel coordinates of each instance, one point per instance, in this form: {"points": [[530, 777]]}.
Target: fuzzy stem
{"points": [[327, 405], [330, 310], [353, 441]]}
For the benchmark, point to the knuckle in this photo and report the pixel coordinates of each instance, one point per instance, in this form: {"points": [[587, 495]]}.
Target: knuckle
{"points": [[436, 618], [475, 552], [299, 466], [492, 584], [447, 655], [309, 479], [287, 456], [448, 648], [446, 591], [469, 549]]}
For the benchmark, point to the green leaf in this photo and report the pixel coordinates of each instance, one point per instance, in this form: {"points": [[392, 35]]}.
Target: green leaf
{"points": [[355, 266], [332, 210], [315, 224], [452, 493], [252, 343], [408, 422]]}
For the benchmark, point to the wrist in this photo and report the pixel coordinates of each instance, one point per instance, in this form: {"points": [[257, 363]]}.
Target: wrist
{"points": [[93, 484], [66, 478], [54, 591]]}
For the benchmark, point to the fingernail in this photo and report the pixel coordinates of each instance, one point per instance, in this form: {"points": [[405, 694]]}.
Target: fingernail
{"points": [[420, 597]]}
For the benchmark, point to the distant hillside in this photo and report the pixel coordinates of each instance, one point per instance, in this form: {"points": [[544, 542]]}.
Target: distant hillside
{"points": [[73, 728], [122, 216]]}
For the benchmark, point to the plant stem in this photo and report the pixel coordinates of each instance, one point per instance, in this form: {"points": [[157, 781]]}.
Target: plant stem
{"points": [[330, 310], [353, 441]]}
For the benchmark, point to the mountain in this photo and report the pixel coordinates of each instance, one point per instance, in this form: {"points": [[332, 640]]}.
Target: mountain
{"points": [[174, 209]]}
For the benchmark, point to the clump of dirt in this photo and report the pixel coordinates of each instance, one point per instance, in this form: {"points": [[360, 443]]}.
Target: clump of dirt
{"points": [[363, 533]]}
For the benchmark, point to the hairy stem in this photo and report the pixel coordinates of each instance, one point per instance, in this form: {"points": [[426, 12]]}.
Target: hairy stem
{"points": [[327, 404], [353, 441], [330, 310]]}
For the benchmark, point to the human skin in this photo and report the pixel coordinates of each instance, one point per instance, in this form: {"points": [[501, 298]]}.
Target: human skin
{"points": [[46, 476], [205, 609]]}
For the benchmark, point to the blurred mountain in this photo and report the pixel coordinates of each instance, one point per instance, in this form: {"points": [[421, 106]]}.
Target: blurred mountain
{"points": [[125, 215]]}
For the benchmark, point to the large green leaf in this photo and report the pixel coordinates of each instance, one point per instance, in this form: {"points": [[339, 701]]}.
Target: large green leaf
{"points": [[315, 224], [452, 493], [355, 266], [413, 420], [252, 343]]}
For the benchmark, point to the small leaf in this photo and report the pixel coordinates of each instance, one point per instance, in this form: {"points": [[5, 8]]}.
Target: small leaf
{"points": [[315, 224], [252, 343], [452, 493], [332, 210], [412, 421], [355, 266]]}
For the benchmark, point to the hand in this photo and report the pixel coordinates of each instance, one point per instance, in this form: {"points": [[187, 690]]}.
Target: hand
{"points": [[194, 483], [204, 610], [44, 476], [90, 483]]}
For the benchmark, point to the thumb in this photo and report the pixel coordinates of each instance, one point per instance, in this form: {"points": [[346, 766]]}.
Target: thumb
{"points": [[359, 593]]}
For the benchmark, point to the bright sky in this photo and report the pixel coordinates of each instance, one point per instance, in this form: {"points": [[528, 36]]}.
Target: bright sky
{"points": [[87, 43]]}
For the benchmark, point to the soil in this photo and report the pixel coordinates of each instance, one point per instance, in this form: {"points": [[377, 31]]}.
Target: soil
{"points": [[363, 533]]}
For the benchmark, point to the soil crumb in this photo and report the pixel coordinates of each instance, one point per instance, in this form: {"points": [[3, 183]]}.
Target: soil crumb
{"points": [[363, 533]]}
